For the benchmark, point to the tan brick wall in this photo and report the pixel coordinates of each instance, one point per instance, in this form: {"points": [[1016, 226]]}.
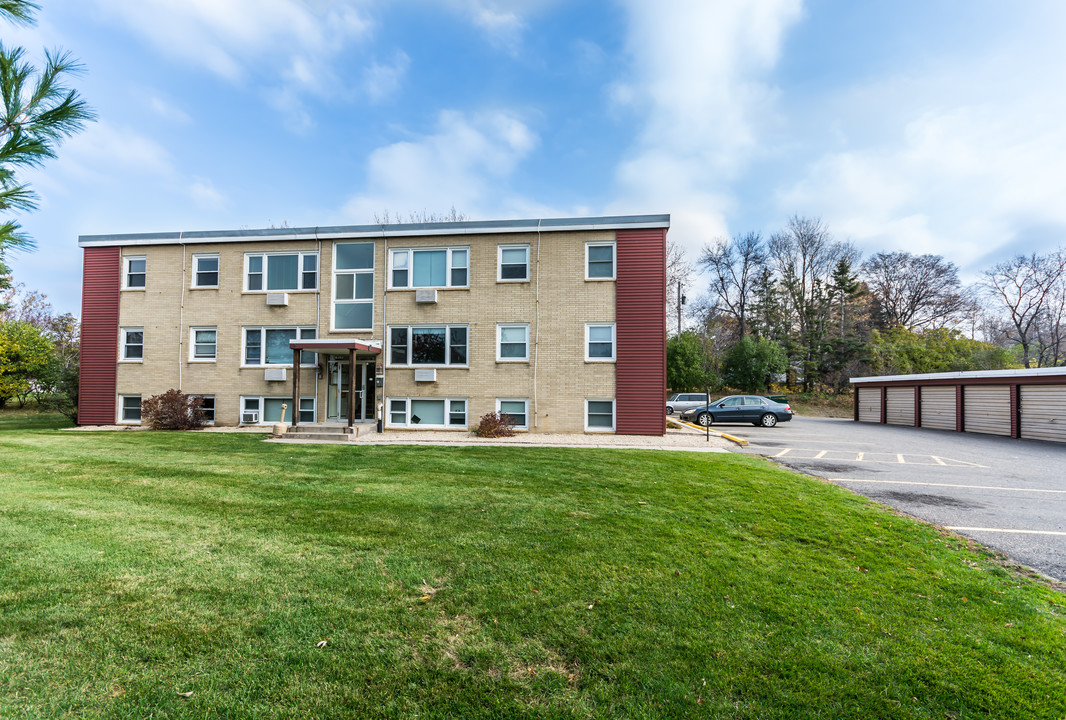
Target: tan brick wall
{"points": [[168, 307]]}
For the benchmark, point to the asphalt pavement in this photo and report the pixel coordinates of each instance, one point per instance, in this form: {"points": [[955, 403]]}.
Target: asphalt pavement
{"points": [[1007, 494]]}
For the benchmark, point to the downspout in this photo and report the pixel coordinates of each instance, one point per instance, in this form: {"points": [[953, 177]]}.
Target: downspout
{"points": [[384, 335], [181, 311], [318, 328], [536, 335]]}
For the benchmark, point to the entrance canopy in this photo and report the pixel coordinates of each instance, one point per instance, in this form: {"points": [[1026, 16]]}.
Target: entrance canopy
{"points": [[349, 347], [336, 347]]}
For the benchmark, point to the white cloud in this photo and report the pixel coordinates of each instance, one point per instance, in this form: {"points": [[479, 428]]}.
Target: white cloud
{"points": [[284, 43], [203, 193], [964, 160], [697, 84], [383, 81], [167, 111], [465, 163]]}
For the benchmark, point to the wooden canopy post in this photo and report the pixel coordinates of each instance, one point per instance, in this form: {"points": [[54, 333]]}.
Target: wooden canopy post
{"points": [[351, 387], [295, 388]]}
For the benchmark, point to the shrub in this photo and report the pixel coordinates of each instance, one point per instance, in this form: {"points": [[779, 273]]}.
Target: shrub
{"points": [[173, 410], [495, 425]]}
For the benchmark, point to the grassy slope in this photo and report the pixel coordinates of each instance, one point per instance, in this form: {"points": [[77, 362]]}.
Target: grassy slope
{"points": [[456, 583]]}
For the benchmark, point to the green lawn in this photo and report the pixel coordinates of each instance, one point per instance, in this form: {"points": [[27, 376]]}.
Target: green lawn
{"points": [[488, 582]]}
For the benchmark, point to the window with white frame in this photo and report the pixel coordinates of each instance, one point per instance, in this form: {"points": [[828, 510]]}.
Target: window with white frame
{"points": [[427, 345], [513, 263], [207, 408], [599, 260], [134, 272], [353, 286], [268, 410], [429, 268], [129, 408], [599, 415], [205, 271], [599, 342], [203, 344], [278, 272], [517, 409], [132, 341], [512, 342], [270, 345], [427, 412]]}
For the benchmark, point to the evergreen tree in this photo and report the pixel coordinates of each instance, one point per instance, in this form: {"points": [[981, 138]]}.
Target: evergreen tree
{"points": [[39, 112]]}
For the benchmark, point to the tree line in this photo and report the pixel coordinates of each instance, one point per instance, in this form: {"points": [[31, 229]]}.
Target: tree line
{"points": [[802, 309]]}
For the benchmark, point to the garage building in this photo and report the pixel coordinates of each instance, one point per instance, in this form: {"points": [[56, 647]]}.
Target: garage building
{"points": [[1013, 403]]}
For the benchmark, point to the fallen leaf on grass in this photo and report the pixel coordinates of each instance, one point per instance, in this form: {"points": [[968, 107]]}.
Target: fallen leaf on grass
{"points": [[321, 644], [642, 503], [426, 598], [117, 693], [185, 695], [536, 591]]}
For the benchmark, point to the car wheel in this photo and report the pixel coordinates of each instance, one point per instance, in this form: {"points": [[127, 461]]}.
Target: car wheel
{"points": [[768, 420], [669, 410], [704, 419]]}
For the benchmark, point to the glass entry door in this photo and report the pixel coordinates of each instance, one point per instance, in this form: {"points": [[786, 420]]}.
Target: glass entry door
{"points": [[337, 390]]}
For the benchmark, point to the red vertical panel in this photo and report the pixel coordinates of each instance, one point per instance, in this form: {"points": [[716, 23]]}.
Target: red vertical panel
{"points": [[884, 404], [99, 336], [917, 406], [855, 404], [1015, 417], [640, 311], [960, 416]]}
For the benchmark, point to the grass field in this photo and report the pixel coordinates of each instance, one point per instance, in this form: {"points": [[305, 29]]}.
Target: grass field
{"points": [[488, 582]]}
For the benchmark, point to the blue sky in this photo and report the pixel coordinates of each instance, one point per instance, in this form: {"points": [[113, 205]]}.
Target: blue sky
{"points": [[928, 126]]}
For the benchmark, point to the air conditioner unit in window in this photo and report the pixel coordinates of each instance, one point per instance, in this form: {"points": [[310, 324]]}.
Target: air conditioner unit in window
{"points": [[425, 296], [250, 418], [280, 299], [274, 374], [426, 375]]}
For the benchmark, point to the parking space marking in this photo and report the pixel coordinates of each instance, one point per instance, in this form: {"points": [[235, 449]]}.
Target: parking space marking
{"points": [[857, 456], [952, 485], [1004, 530]]}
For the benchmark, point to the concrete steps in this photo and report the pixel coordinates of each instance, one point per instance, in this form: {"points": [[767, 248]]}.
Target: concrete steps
{"points": [[321, 433]]}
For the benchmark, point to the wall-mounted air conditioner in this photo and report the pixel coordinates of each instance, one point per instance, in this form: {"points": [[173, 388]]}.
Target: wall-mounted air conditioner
{"points": [[250, 417], [426, 375], [279, 299], [425, 296], [275, 374]]}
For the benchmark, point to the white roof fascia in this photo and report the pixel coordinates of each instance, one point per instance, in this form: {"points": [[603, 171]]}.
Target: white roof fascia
{"points": [[965, 374]]}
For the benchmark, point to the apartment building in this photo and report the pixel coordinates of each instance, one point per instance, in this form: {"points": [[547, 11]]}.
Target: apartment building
{"points": [[558, 322]]}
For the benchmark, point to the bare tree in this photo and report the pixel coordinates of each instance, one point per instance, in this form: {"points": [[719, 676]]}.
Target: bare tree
{"points": [[1021, 289], [678, 276], [804, 256], [1051, 328], [915, 291], [423, 216], [735, 266]]}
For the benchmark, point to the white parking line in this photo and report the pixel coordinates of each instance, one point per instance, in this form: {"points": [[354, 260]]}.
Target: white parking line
{"points": [[820, 455], [1004, 530], [954, 485]]}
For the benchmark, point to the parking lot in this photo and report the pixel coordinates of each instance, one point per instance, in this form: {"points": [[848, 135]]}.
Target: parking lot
{"points": [[1007, 494]]}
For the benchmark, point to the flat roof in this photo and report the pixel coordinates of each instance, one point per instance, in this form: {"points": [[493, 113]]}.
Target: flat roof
{"points": [[966, 374], [477, 227]]}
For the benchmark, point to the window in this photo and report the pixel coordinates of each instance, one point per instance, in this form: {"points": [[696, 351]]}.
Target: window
{"points": [[435, 345], [130, 408], [205, 271], [269, 409], [599, 261], [427, 412], [270, 346], [517, 409], [207, 408], [513, 262], [599, 342], [277, 272], [353, 286], [599, 415], [134, 273], [430, 267], [512, 342], [203, 343], [132, 340]]}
